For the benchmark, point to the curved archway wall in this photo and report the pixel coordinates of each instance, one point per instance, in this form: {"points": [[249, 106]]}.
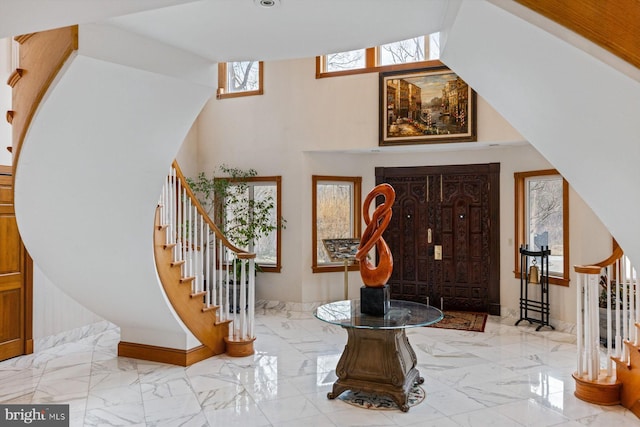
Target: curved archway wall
{"points": [[303, 126]]}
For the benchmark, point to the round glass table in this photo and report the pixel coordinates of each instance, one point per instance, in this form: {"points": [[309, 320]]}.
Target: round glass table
{"points": [[378, 358]]}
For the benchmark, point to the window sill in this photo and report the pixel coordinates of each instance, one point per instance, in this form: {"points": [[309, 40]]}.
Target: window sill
{"points": [[334, 268], [238, 94]]}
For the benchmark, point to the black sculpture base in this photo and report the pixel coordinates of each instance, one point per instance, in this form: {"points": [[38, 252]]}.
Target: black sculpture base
{"points": [[375, 301]]}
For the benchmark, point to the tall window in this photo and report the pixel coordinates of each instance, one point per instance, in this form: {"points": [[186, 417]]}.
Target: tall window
{"points": [[409, 53], [542, 215], [240, 78], [265, 199], [336, 215]]}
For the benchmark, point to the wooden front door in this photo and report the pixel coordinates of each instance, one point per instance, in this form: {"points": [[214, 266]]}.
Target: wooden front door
{"points": [[15, 278], [444, 235]]}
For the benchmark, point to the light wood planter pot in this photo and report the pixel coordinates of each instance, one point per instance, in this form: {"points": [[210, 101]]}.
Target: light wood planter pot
{"points": [[239, 348]]}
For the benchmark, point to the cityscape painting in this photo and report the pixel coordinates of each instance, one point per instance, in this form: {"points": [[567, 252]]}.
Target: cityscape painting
{"points": [[426, 106]]}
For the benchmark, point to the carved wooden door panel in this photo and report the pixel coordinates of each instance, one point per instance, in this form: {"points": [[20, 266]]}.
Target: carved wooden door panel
{"points": [[15, 294], [444, 235]]}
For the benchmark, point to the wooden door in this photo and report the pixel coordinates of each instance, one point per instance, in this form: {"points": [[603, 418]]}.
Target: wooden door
{"points": [[444, 235], [15, 278]]}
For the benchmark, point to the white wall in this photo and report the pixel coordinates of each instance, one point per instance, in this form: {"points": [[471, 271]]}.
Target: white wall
{"points": [[303, 126], [54, 311]]}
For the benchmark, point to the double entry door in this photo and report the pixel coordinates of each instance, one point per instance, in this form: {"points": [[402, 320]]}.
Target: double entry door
{"points": [[444, 235]]}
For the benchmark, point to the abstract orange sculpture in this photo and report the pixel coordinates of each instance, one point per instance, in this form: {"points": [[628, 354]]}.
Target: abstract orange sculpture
{"points": [[372, 276]]}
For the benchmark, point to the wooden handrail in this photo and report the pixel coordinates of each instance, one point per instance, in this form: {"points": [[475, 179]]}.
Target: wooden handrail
{"points": [[42, 56], [203, 214], [596, 267], [587, 269]]}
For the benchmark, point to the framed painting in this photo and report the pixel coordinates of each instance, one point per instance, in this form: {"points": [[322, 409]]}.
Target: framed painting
{"points": [[340, 250], [431, 105]]}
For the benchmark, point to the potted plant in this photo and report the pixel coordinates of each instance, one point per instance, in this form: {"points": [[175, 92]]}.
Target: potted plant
{"points": [[602, 304]]}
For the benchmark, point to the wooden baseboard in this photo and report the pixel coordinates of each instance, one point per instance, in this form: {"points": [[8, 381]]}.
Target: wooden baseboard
{"points": [[163, 354]]}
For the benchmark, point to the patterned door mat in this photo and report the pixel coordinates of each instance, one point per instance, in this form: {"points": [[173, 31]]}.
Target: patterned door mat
{"points": [[462, 320], [373, 401]]}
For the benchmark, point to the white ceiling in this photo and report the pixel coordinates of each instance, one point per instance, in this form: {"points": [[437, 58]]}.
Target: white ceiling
{"points": [[27, 16], [224, 30]]}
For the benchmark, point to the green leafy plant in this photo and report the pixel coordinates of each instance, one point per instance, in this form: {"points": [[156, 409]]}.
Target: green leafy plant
{"points": [[602, 300], [242, 219]]}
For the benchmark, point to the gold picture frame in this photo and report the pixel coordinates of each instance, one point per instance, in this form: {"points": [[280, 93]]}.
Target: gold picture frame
{"points": [[424, 106]]}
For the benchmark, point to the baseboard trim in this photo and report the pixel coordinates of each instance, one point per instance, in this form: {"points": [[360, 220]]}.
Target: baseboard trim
{"points": [[163, 354]]}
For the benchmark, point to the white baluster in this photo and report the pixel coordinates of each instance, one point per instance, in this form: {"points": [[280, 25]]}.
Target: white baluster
{"points": [[595, 317], [201, 254], [228, 299], [252, 296], [171, 235], [223, 302], [625, 309], [243, 299], [607, 273], [185, 235], [618, 313], [235, 299], [579, 322], [587, 327], [637, 295], [194, 248], [180, 215], [632, 305], [207, 272], [191, 241]]}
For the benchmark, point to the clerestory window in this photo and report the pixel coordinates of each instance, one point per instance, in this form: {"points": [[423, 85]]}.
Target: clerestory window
{"points": [[240, 78], [410, 53]]}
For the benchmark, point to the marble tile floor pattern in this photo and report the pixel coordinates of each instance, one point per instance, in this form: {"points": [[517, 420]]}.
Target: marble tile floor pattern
{"points": [[506, 376]]}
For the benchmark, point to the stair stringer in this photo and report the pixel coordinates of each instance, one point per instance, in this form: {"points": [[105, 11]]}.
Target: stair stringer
{"points": [[628, 373], [201, 322]]}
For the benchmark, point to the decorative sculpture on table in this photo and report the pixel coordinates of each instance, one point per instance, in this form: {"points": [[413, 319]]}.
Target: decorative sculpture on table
{"points": [[374, 295]]}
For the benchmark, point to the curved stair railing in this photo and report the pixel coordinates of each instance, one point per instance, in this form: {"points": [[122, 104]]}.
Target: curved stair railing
{"points": [[194, 262], [612, 283], [41, 57]]}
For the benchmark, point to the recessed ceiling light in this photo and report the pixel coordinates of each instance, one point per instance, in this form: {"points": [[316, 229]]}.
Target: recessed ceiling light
{"points": [[267, 3]]}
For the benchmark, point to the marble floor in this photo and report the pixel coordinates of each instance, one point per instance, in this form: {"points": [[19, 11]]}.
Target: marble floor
{"points": [[506, 376]]}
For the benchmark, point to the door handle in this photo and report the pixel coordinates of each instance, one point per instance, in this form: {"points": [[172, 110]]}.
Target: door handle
{"points": [[437, 253]]}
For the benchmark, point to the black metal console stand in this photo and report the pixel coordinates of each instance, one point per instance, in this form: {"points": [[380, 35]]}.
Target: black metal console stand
{"points": [[528, 304]]}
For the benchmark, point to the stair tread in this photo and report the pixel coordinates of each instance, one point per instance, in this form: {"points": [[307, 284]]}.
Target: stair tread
{"points": [[187, 279], [198, 294], [177, 263]]}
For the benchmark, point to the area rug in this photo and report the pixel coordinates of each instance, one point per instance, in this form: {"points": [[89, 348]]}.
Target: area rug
{"points": [[373, 401], [462, 320]]}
